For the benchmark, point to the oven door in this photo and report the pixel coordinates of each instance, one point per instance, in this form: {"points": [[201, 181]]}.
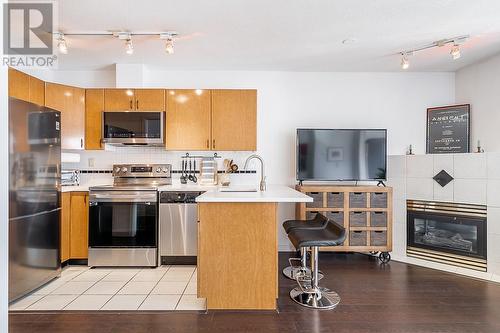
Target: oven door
{"points": [[133, 128], [123, 219]]}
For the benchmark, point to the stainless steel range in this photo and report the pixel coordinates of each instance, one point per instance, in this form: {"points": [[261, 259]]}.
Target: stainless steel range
{"points": [[123, 217]]}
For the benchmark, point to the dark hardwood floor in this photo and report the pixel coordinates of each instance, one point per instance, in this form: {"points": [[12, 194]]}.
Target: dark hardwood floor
{"points": [[375, 298]]}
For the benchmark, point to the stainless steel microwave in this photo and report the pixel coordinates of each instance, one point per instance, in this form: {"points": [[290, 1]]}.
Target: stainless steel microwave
{"points": [[133, 128]]}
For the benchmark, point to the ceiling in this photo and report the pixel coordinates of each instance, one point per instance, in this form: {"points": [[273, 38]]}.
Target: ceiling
{"points": [[281, 35]]}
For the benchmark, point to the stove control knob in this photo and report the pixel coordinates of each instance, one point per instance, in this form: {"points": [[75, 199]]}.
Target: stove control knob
{"points": [[117, 169], [165, 170], [124, 170], [158, 169]]}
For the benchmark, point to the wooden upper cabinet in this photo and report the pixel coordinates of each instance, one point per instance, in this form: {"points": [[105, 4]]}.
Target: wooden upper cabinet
{"points": [[234, 120], [119, 100], [36, 91], [79, 225], [94, 105], [26, 87], [70, 101], [188, 120], [149, 99], [19, 85]]}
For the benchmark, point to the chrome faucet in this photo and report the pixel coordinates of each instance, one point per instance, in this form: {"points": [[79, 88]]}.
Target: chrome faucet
{"points": [[262, 176]]}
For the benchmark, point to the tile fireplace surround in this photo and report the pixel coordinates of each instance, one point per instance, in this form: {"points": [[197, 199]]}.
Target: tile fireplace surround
{"points": [[476, 180]]}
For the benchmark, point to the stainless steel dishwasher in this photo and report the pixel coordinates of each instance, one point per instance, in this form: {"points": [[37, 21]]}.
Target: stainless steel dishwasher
{"points": [[178, 228]]}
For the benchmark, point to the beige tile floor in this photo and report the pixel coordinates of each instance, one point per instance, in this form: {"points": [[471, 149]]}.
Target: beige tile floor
{"points": [[81, 288]]}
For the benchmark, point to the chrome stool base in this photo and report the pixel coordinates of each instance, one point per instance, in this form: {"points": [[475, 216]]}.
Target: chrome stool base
{"points": [[291, 272], [321, 301]]}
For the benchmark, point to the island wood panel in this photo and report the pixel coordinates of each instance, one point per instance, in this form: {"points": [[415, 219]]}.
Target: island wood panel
{"points": [[301, 210], [119, 100], [19, 84], [65, 226], [234, 120], [188, 119], [79, 226], [36, 91], [149, 99], [94, 105], [237, 255]]}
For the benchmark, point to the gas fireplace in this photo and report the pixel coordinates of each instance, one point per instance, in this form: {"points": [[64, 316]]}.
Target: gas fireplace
{"points": [[448, 233]]}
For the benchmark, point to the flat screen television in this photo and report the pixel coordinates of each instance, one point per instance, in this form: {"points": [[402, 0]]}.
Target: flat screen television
{"points": [[341, 154]]}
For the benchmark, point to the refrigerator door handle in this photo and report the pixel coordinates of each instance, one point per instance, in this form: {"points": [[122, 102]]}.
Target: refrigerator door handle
{"points": [[36, 214]]}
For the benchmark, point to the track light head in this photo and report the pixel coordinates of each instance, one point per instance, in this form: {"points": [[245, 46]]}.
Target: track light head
{"points": [[405, 63], [455, 51], [61, 44], [129, 47], [169, 41]]}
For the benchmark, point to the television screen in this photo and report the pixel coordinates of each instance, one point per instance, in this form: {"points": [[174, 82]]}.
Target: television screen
{"points": [[341, 154]]}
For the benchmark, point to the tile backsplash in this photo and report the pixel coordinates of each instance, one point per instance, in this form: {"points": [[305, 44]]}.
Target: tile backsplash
{"points": [[100, 161]]}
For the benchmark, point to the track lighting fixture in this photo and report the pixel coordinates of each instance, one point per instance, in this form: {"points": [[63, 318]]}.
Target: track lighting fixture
{"points": [[455, 49], [61, 44], [126, 36]]}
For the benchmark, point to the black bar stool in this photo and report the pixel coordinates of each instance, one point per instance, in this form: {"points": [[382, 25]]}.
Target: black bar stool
{"points": [[318, 222], [312, 295]]}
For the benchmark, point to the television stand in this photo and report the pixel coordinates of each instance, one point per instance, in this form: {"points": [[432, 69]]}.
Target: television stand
{"points": [[381, 183]]}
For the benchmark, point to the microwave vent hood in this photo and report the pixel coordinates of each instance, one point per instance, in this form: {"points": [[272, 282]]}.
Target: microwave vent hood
{"points": [[131, 128]]}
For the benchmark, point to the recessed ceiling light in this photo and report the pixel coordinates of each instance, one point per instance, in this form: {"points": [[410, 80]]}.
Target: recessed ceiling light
{"points": [[349, 41]]}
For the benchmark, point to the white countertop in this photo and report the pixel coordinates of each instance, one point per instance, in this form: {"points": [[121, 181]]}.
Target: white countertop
{"points": [[74, 188], [274, 193]]}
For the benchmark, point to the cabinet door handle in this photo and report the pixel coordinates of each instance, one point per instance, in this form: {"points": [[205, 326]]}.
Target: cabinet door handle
{"points": [[213, 143], [137, 105], [81, 142], [131, 105], [208, 143]]}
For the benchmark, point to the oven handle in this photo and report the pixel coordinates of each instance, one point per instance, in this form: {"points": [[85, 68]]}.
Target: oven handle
{"points": [[146, 198]]}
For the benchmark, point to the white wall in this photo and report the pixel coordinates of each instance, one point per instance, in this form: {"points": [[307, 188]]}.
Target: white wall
{"points": [[478, 84], [287, 100]]}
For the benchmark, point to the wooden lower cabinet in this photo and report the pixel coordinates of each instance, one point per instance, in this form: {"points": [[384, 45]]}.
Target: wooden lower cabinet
{"points": [[74, 225], [65, 225]]}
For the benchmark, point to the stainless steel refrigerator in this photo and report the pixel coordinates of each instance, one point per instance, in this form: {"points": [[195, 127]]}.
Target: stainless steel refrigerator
{"points": [[34, 196]]}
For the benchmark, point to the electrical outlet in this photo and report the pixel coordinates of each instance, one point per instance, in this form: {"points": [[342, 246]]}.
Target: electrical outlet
{"points": [[91, 161]]}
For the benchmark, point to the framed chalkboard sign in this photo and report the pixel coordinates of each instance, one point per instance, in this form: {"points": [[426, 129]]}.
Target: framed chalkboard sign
{"points": [[448, 129]]}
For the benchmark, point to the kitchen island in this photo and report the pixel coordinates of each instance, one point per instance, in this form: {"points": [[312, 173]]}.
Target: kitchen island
{"points": [[238, 247]]}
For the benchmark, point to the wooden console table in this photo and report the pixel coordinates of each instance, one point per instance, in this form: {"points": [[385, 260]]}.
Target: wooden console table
{"points": [[364, 211]]}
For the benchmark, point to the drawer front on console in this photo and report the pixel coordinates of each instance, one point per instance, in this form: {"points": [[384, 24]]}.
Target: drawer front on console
{"points": [[357, 238], [378, 200], [336, 216], [357, 219], [357, 200], [335, 199], [317, 199], [378, 219], [378, 238]]}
